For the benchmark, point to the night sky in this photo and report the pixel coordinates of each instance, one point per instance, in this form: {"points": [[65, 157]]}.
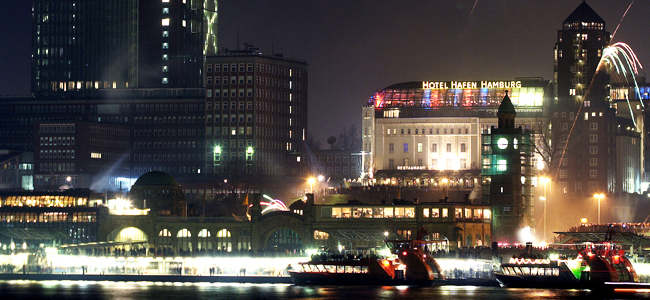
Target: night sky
{"points": [[355, 47]]}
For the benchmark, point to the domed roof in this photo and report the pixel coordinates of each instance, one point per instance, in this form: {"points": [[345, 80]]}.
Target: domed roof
{"points": [[156, 178], [506, 106]]}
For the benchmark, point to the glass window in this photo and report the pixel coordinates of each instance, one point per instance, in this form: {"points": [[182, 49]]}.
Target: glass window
{"points": [[468, 213], [345, 212], [445, 212], [388, 212], [458, 213], [409, 212], [435, 212], [378, 212], [336, 212], [399, 212], [425, 212]]}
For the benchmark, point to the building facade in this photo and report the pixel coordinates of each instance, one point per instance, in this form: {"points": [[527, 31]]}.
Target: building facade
{"points": [[256, 113], [433, 129]]}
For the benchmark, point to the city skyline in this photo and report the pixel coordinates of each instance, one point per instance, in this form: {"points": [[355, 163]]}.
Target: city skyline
{"points": [[355, 48]]}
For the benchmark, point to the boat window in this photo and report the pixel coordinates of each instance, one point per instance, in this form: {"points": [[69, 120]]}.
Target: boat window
{"points": [[357, 269], [525, 270], [331, 269], [378, 212], [409, 212], [533, 271], [367, 212], [348, 269], [549, 272], [399, 212], [345, 212], [388, 212], [517, 270], [556, 272], [356, 212], [336, 212]]}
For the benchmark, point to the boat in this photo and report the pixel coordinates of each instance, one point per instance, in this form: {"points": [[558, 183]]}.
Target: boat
{"points": [[410, 264], [596, 264]]}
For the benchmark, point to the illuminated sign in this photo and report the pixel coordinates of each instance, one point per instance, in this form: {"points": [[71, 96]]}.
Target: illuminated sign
{"points": [[411, 167], [434, 85]]}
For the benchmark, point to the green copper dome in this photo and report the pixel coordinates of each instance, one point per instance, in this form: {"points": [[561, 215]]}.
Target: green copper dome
{"points": [[506, 106], [156, 178]]}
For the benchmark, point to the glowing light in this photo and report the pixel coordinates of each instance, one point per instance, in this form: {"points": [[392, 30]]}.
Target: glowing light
{"points": [[526, 235], [273, 204]]}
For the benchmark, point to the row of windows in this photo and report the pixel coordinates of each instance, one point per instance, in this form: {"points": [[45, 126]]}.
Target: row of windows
{"points": [[56, 128], [166, 144], [248, 130], [109, 143], [56, 167], [431, 131], [330, 158], [331, 171], [167, 107], [233, 118], [233, 105], [166, 132], [166, 120], [233, 67], [56, 141], [592, 173], [368, 212], [233, 80], [22, 109], [56, 154], [434, 147], [233, 93]]}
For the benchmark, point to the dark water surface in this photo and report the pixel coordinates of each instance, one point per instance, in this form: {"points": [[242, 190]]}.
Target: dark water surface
{"points": [[186, 291]]}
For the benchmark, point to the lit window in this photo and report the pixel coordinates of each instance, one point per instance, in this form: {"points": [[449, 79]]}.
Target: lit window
{"points": [[165, 57], [165, 33], [165, 10], [165, 80], [164, 69], [165, 22], [165, 45]]}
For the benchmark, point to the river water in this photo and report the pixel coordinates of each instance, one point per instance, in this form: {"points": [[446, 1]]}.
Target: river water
{"points": [[186, 291]]}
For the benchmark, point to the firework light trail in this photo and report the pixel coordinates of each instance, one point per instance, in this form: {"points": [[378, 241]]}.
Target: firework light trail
{"points": [[621, 21], [621, 59]]}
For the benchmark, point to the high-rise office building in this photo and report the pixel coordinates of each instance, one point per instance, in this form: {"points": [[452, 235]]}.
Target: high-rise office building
{"points": [[82, 46], [256, 112], [588, 127]]}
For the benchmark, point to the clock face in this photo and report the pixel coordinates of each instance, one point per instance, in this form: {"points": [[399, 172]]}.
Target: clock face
{"points": [[502, 143]]}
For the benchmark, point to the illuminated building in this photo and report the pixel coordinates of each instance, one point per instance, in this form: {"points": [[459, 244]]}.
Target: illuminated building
{"points": [[80, 47], [507, 174], [432, 130], [256, 112], [49, 217]]}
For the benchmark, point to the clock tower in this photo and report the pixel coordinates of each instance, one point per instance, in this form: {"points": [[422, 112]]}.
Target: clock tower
{"points": [[507, 172]]}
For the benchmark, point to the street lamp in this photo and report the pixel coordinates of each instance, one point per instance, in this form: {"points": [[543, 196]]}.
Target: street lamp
{"points": [[599, 197], [311, 181]]}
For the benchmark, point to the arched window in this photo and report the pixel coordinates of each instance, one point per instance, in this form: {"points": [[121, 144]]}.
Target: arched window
{"points": [[223, 240], [244, 240], [204, 240], [468, 241], [479, 240], [284, 239], [487, 240], [164, 242], [184, 243]]}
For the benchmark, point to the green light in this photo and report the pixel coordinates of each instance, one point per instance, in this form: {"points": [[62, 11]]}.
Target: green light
{"points": [[249, 150], [217, 149]]}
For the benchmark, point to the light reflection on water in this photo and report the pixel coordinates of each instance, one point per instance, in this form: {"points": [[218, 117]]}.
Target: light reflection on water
{"points": [[101, 290]]}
